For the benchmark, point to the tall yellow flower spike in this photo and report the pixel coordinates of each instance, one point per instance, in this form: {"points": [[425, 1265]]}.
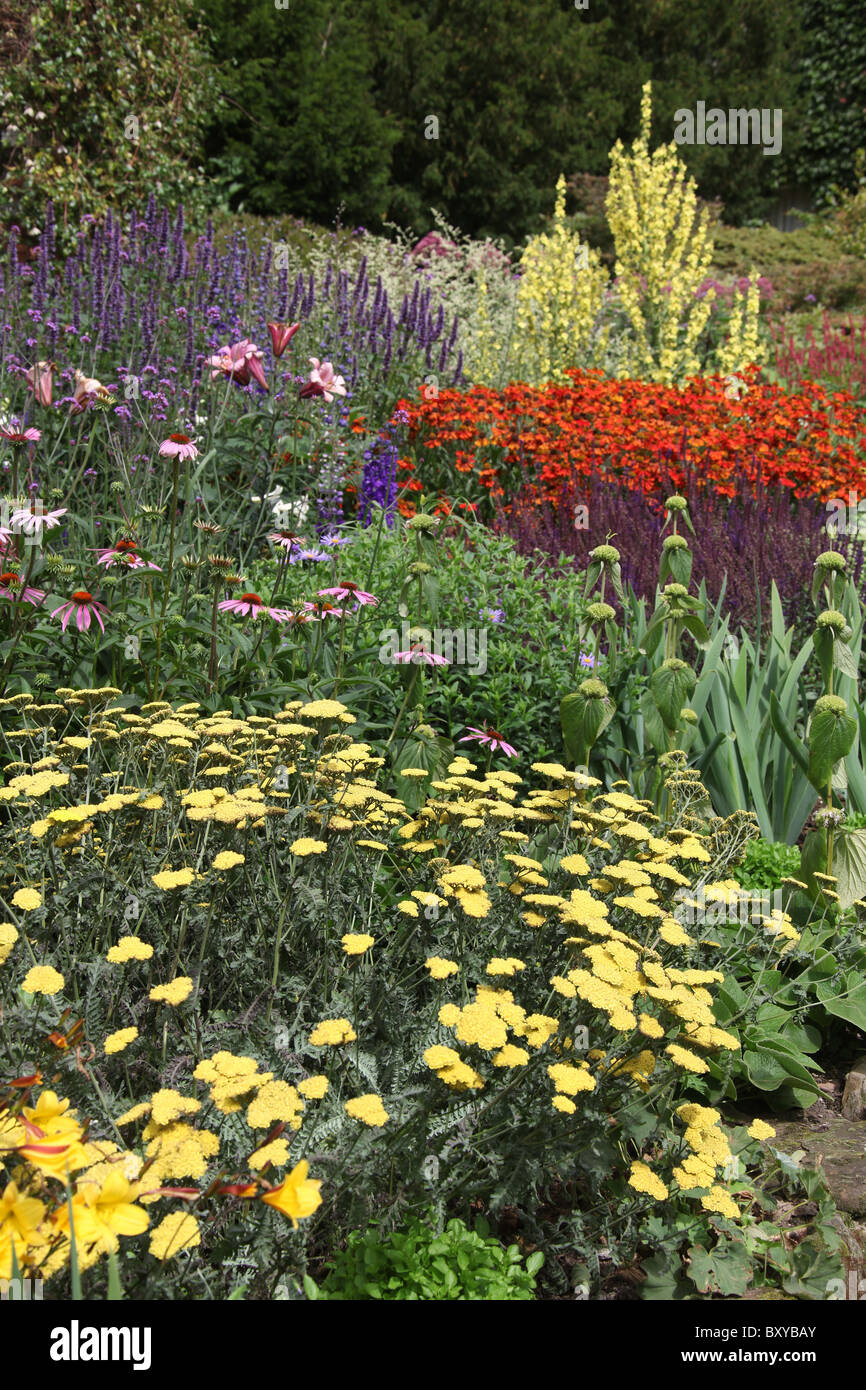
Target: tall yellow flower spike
{"points": [[663, 253]]}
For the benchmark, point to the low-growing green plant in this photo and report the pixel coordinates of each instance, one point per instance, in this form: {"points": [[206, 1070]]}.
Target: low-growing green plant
{"points": [[423, 1262], [788, 1240], [765, 864]]}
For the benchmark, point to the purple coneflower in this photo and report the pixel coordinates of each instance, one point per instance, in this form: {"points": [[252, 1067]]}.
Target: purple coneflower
{"points": [[178, 446], [84, 606], [489, 738], [418, 654], [30, 436], [124, 552], [250, 605], [346, 590], [324, 610], [32, 523], [16, 595]]}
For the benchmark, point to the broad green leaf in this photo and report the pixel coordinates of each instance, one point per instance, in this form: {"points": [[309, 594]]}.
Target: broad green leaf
{"points": [[843, 660], [672, 687], [847, 1001], [764, 1070], [849, 865], [831, 735]]}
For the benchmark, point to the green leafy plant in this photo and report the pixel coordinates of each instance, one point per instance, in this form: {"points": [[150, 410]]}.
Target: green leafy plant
{"points": [[765, 864], [424, 1262]]}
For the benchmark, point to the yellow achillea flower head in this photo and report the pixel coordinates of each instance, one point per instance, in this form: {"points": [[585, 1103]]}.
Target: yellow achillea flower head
{"points": [[174, 992], [275, 1101], [129, 948], [116, 1042], [8, 937], [508, 965], [536, 1029], [136, 1113], [305, 845], [331, 1032], [511, 1056], [437, 1057], [461, 1077], [27, 899], [759, 1129], [277, 1153], [228, 859], [574, 864], [717, 1199], [168, 1105], [356, 943], [462, 876], [689, 1061], [643, 1179], [173, 878], [479, 1024], [474, 904], [440, 968], [671, 932], [569, 1080], [314, 1087], [177, 1231], [42, 979], [368, 1109], [323, 710], [650, 1027], [448, 1015], [407, 907]]}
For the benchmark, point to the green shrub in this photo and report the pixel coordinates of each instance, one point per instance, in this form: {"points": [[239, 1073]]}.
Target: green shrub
{"points": [[766, 864], [420, 1262], [101, 107]]}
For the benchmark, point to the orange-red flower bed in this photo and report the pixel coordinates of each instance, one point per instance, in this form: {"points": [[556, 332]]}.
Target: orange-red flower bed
{"points": [[482, 444]]}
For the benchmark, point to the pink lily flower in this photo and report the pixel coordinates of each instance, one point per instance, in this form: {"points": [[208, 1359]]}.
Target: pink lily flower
{"points": [[489, 738], [323, 382], [40, 379], [239, 362], [16, 595], [250, 605], [346, 590], [89, 386], [84, 606], [281, 335], [178, 446]]}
